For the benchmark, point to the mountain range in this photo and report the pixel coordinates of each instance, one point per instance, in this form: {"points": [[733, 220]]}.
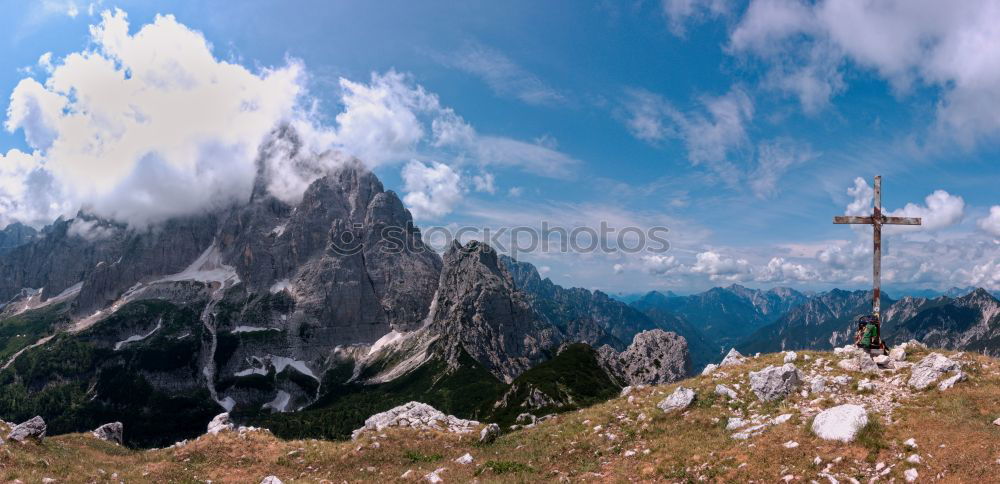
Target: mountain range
{"points": [[308, 317]]}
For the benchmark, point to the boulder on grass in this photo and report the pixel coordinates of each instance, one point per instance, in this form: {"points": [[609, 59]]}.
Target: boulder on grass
{"points": [[775, 382], [111, 432], [31, 429], [841, 423], [925, 373], [489, 433], [679, 400], [220, 423]]}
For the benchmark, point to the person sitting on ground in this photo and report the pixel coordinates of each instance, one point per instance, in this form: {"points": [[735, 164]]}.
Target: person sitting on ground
{"points": [[867, 336]]}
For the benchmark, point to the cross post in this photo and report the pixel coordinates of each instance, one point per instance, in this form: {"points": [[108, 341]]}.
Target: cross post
{"points": [[877, 220]]}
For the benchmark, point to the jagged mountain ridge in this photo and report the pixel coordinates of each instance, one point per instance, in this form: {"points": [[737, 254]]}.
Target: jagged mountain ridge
{"points": [[726, 315], [285, 307]]}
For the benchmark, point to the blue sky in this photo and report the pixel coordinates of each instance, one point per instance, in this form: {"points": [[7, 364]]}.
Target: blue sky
{"points": [[742, 127]]}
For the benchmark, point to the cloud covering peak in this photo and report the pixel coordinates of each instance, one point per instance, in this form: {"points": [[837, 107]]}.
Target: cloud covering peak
{"points": [[143, 127]]}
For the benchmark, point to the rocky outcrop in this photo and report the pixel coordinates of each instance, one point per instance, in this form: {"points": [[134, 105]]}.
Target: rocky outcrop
{"points": [[775, 382], [929, 369], [654, 357], [732, 358], [478, 310], [489, 434], [418, 416], [30, 429], [110, 432], [841, 423], [221, 423]]}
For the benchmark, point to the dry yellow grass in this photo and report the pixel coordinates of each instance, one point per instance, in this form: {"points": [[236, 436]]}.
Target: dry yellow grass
{"points": [[954, 429]]}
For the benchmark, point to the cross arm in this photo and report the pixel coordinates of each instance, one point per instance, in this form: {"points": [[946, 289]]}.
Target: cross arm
{"points": [[901, 220], [846, 219]]}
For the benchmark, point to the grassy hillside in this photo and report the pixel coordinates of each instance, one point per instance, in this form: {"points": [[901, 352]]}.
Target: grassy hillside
{"points": [[623, 439]]}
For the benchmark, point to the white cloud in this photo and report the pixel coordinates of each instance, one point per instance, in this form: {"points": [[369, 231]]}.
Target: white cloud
{"points": [[941, 209], [45, 62], [90, 229], [380, 121], [681, 12], [720, 268], [432, 190], [647, 116], [503, 75], [956, 50], [484, 182], [711, 134], [985, 275], [515, 191], [147, 126], [386, 121], [991, 223], [659, 264], [780, 270], [774, 158]]}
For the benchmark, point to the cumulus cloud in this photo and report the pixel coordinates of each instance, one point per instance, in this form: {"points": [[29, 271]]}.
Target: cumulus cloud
{"points": [[991, 223], [143, 119], [148, 124], [720, 268], [780, 270], [503, 75], [659, 264], [432, 189], [940, 209], [809, 46]]}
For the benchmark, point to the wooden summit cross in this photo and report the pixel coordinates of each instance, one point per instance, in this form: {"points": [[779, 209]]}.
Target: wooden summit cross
{"points": [[877, 220]]}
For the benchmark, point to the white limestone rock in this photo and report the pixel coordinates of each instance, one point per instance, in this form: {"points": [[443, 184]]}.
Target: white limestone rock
{"points": [[435, 476], [419, 416], [271, 480], [725, 391], [774, 382], [220, 423], [709, 368], [911, 475], [489, 433], [31, 429], [840, 423], [790, 356], [465, 459], [111, 432], [951, 381], [732, 358], [679, 400], [929, 369]]}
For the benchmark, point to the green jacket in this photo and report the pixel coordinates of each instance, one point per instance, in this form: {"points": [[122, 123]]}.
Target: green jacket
{"points": [[871, 330]]}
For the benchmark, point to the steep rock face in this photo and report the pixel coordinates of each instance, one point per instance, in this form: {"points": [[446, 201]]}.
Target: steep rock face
{"points": [[348, 253], [479, 310], [581, 315], [15, 235], [970, 322]]}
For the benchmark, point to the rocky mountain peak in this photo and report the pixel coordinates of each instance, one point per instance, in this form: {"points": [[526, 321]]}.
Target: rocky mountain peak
{"points": [[478, 309]]}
